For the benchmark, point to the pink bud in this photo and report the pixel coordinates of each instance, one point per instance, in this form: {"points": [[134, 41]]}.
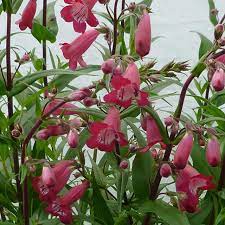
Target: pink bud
{"points": [[48, 176], [143, 36], [165, 170], [213, 155], [168, 121], [77, 95], [75, 123], [221, 59], [87, 91], [73, 138], [183, 151], [124, 164], [88, 101], [218, 80], [219, 29], [42, 134], [107, 66], [25, 58]]}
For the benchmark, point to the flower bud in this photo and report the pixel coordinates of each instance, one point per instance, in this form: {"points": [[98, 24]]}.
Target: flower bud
{"points": [[103, 1], [219, 29], [25, 58], [221, 41], [143, 36], [183, 151], [48, 176], [168, 121], [132, 6], [43, 134], [77, 95], [73, 138], [87, 91], [88, 101], [15, 133], [218, 80], [165, 170], [75, 123], [124, 164], [77, 175], [107, 66], [213, 154]]}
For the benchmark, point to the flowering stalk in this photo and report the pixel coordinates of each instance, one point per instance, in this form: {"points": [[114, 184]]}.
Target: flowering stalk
{"points": [[9, 86], [44, 47], [115, 24]]}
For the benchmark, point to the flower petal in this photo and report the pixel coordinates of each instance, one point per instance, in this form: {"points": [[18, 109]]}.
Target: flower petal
{"points": [[92, 20], [66, 13], [79, 27]]}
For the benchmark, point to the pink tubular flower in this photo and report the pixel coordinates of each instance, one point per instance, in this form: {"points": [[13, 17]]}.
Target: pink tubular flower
{"points": [[105, 134], [50, 131], [143, 36], [183, 151], [218, 80], [61, 171], [61, 206], [153, 134], [79, 12], [213, 154], [27, 15], [79, 95], [126, 88], [65, 109], [76, 49], [48, 176], [73, 138], [221, 59], [188, 184]]}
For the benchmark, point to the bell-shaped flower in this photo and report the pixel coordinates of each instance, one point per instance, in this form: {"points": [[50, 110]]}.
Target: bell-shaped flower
{"points": [[213, 154], [27, 15], [143, 36], [126, 88], [188, 184], [61, 206], [105, 134], [74, 51], [183, 150], [73, 138], [218, 80], [66, 109], [61, 172], [79, 12]]}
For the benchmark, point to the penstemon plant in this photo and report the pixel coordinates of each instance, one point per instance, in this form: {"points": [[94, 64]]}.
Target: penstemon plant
{"points": [[104, 153]]}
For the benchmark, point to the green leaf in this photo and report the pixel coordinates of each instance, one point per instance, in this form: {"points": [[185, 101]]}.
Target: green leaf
{"points": [[212, 17], [7, 5], [166, 212], [221, 217], [205, 44], [51, 30], [139, 136], [24, 82], [16, 5], [100, 208], [100, 178], [133, 21], [23, 173], [141, 174]]}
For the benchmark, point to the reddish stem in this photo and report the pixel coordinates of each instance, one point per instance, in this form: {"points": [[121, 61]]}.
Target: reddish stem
{"points": [[115, 24], [44, 46]]}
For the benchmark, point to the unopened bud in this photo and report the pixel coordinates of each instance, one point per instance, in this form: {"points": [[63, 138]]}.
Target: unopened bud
{"points": [[213, 154], [15, 133], [73, 138], [107, 66], [124, 164], [154, 153], [88, 101], [218, 80], [168, 121], [221, 41], [43, 134], [103, 1], [77, 175], [165, 170], [219, 29], [132, 6]]}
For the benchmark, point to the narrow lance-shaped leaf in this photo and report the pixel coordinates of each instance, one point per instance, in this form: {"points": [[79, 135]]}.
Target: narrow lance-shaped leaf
{"points": [[212, 16]]}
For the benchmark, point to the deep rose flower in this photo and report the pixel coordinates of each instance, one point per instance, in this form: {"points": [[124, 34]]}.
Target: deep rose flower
{"points": [[183, 151], [153, 134], [105, 134], [27, 15], [61, 172], [108, 66], [188, 184], [76, 49], [61, 206], [126, 88], [165, 170], [218, 80], [79, 12], [143, 36], [65, 109], [73, 138], [213, 154], [221, 59]]}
